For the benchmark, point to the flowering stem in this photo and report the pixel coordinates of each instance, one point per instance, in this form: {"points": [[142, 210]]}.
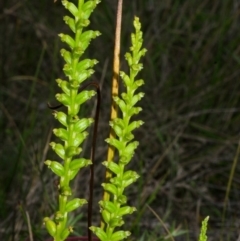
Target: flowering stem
{"points": [[115, 207], [73, 131]]}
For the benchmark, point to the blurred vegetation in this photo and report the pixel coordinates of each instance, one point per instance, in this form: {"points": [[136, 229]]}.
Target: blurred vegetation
{"points": [[191, 111]]}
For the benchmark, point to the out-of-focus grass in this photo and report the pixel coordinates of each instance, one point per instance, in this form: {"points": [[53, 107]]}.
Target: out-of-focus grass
{"points": [[191, 112]]}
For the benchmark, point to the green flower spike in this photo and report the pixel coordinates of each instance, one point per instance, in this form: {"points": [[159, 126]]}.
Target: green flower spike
{"points": [[113, 210], [73, 131], [203, 233]]}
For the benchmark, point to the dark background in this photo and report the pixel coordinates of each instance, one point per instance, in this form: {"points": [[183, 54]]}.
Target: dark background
{"points": [[188, 144]]}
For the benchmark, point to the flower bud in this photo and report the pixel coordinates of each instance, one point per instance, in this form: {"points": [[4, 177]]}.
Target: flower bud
{"points": [[64, 85], [84, 96], [99, 233], [74, 204], [56, 167], [71, 7], [61, 117], [71, 23], [126, 210], [109, 206], [112, 166], [79, 163], [106, 216], [119, 235], [82, 124], [50, 226], [58, 148], [61, 133], [64, 99], [67, 39], [110, 188]]}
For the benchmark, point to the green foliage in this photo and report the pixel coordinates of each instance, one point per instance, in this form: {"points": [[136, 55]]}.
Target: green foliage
{"points": [[74, 128], [113, 210]]}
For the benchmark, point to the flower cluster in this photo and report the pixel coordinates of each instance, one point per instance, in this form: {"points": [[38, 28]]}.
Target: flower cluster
{"points": [[114, 209], [74, 128]]}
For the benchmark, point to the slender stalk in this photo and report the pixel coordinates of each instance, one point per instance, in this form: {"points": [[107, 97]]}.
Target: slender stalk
{"points": [[115, 87], [230, 179]]}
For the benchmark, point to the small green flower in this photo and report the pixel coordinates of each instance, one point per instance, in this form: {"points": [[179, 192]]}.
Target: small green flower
{"points": [[50, 226]]}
